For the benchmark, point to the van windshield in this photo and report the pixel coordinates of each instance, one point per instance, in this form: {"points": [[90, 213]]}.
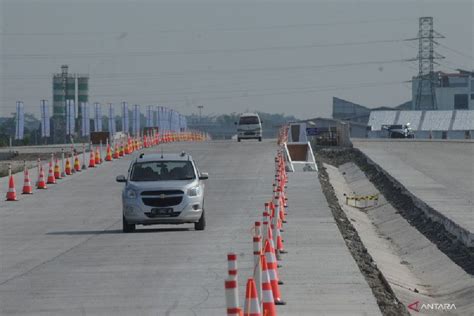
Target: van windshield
{"points": [[162, 171], [245, 120]]}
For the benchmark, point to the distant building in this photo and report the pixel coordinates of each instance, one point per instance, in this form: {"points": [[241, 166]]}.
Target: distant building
{"points": [[348, 111], [67, 86], [453, 91], [441, 124], [328, 125]]}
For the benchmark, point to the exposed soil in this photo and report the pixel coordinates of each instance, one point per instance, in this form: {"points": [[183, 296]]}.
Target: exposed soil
{"points": [[17, 161], [386, 299], [398, 196]]}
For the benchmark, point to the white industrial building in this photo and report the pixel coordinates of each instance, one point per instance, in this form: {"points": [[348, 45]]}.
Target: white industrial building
{"points": [[442, 124], [453, 91]]}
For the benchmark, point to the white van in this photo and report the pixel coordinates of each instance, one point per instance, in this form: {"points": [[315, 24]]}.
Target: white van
{"points": [[249, 126]]}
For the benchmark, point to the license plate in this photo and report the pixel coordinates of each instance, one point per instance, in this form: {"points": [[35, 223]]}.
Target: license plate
{"points": [[162, 211]]}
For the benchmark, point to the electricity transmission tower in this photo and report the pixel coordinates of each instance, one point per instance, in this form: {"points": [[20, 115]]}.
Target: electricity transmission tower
{"points": [[427, 81]]}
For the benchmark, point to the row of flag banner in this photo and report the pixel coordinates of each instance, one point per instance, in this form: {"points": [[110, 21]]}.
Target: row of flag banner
{"points": [[162, 117]]}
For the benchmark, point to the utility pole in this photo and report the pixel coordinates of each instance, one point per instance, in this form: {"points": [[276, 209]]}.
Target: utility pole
{"points": [[426, 79], [200, 107]]}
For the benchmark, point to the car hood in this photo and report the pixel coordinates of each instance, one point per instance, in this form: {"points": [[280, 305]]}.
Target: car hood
{"points": [[162, 185]]}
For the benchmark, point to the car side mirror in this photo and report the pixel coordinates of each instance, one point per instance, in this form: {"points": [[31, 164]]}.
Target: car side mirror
{"points": [[121, 178], [204, 176]]}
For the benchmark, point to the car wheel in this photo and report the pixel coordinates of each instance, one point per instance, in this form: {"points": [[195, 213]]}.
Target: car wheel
{"points": [[202, 222], [127, 228], [238, 139], [260, 139]]}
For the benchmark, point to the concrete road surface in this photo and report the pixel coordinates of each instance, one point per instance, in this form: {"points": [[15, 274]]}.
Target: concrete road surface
{"points": [[62, 251], [440, 173]]}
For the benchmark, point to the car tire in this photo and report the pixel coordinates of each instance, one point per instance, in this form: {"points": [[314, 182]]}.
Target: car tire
{"points": [[201, 224], [238, 139], [127, 228], [260, 139]]}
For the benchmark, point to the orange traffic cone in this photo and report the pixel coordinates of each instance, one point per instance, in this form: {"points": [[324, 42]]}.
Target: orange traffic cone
{"points": [[126, 149], [51, 178], [57, 170], [279, 241], [67, 169], [251, 305], [77, 165], [272, 271], [268, 303], [121, 150], [116, 152], [92, 159], [27, 188], [97, 156], [41, 183], [108, 156], [11, 194]]}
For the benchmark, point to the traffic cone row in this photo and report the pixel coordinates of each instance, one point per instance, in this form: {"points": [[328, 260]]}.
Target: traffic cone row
{"points": [[263, 291], [70, 163]]}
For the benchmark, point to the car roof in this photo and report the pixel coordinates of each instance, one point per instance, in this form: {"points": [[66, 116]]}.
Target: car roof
{"points": [[165, 156], [248, 114]]}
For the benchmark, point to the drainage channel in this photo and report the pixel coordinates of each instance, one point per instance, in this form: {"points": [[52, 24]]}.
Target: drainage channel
{"points": [[387, 301], [404, 202]]}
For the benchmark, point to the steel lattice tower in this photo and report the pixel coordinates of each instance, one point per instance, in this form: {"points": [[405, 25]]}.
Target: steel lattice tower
{"points": [[426, 60]]}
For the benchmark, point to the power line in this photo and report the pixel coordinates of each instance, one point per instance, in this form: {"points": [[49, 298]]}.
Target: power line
{"points": [[224, 71], [191, 52], [218, 29], [456, 51], [279, 90]]}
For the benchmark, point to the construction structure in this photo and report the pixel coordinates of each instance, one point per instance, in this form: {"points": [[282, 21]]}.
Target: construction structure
{"points": [[67, 87], [425, 98], [440, 124], [453, 91]]}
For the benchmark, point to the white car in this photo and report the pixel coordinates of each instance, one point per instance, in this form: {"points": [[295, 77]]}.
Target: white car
{"points": [[163, 189], [249, 127]]}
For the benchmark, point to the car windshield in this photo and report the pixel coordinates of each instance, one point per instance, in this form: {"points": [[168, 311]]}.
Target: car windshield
{"points": [[162, 171], [245, 120]]}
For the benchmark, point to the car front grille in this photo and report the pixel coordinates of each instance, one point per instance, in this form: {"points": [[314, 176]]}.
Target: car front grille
{"points": [[162, 202], [160, 192]]}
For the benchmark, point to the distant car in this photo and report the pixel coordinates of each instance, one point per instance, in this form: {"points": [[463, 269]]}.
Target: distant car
{"points": [[163, 189], [399, 131], [249, 127]]}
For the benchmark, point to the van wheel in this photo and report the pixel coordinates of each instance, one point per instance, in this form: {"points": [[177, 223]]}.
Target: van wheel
{"points": [[238, 139], [127, 228], [260, 139], [202, 222]]}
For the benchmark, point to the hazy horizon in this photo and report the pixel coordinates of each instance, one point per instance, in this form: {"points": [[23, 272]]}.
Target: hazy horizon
{"points": [[229, 56]]}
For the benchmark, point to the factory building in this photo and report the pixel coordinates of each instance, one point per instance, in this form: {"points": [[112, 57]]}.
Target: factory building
{"points": [[68, 86], [442, 124], [453, 91]]}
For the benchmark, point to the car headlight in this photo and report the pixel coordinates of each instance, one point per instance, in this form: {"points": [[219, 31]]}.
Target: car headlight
{"points": [[131, 194], [194, 191]]}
